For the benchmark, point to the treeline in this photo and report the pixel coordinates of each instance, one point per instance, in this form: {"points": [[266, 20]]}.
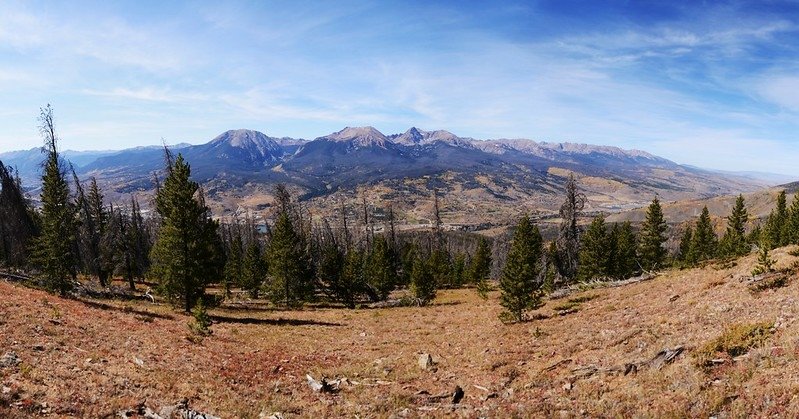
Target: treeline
{"points": [[296, 260], [599, 252], [700, 243]]}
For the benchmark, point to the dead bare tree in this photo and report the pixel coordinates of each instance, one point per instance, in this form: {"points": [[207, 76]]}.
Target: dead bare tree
{"points": [[568, 242]]}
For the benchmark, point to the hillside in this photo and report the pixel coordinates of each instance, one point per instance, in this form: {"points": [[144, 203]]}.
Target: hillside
{"points": [[759, 205], [591, 354], [496, 179]]}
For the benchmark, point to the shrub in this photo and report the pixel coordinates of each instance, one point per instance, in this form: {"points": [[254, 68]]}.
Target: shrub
{"points": [[200, 325], [737, 340]]}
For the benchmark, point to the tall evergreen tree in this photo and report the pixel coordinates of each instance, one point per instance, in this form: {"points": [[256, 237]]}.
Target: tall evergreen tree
{"points": [[135, 244], [459, 270], [551, 267], [349, 284], [777, 223], [440, 265], [569, 233], [234, 259], [97, 258], [624, 263], [381, 276], [291, 273], [704, 243], [332, 272], [18, 224], [187, 255], [423, 283], [253, 269], [685, 245], [409, 254], [480, 266], [793, 221], [54, 248], [521, 278], [594, 251], [734, 242], [651, 252]]}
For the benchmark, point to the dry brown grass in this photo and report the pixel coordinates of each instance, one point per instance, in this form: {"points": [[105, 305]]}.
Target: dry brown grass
{"points": [[90, 359]]}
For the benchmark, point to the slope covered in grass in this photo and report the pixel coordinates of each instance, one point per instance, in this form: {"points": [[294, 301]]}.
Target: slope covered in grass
{"points": [[604, 356]]}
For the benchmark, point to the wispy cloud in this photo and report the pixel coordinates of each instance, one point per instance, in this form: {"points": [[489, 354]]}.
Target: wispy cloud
{"points": [[150, 94], [701, 76]]}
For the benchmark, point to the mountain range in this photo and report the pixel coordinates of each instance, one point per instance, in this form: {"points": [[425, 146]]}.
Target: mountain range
{"points": [[504, 172]]}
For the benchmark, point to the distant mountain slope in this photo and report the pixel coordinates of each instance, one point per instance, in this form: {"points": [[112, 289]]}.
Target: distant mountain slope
{"points": [[497, 173]]}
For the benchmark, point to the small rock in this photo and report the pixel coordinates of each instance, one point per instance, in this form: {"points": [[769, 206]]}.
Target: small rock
{"points": [[38, 347], [489, 396], [9, 359], [568, 386], [276, 415], [316, 386], [457, 396], [404, 413], [322, 386], [138, 361], [674, 298], [425, 361]]}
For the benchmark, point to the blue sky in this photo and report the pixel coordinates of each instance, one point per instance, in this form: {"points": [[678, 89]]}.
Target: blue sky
{"points": [[713, 84]]}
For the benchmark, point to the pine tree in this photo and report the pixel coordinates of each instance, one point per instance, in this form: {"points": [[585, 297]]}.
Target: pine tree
{"points": [[440, 265], [333, 273], [594, 251], [253, 269], [380, 274], [18, 224], [480, 266], [734, 243], [290, 267], [409, 255], [134, 261], [625, 261], [704, 243], [423, 285], [94, 250], [569, 233], [651, 252], [777, 223], [349, 285], [765, 263], [685, 245], [187, 254], [459, 270], [793, 221], [234, 260], [521, 278], [54, 248], [550, 268], [611, 250]]}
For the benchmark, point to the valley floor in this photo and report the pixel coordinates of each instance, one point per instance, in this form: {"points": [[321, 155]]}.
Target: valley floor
{"points": [[95, 358]]}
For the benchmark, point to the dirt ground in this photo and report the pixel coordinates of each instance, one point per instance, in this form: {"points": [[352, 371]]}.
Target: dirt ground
{"points": [[591, 354]]}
